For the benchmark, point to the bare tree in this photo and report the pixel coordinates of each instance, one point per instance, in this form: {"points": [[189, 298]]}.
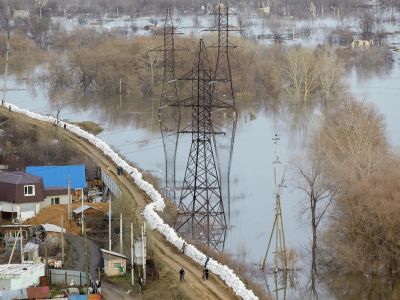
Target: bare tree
{"points": [[366, 24], [352, 143], [319, 196]]}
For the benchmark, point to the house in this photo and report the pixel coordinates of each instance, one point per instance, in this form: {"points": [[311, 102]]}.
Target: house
{"points": [[55, 180], [20, 276], [114, 263], [21, 195]]}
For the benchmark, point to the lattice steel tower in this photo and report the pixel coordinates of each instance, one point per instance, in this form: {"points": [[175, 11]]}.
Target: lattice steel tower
{"points": [[169, 116], [223, 91], [201, 211]]}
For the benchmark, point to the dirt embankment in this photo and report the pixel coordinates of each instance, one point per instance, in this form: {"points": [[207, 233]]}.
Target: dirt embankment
{"points": [[168, 255], [52, 215]]}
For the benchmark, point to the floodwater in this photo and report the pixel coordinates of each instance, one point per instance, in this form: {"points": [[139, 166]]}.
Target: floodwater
{"points": [[131, 127]]}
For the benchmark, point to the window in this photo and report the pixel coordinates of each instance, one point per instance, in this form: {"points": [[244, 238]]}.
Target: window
{"points": [[29, 190], [55, 200], [117, 265]]}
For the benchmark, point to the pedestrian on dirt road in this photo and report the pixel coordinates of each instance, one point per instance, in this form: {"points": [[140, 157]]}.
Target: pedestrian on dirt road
{"points": [[206, 273], [182, 274], [183, 248], [203, 276]]}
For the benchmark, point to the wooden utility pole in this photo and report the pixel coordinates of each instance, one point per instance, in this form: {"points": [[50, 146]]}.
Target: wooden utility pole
{"points": [[69, 198], [132, 268], [22, 244], [277, 228], [143, 252], [121, 240], [62, 238], [109, 224], [82, 215], [86, 261], [7, 54]]}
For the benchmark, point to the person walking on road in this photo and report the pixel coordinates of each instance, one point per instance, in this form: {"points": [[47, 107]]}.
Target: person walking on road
{"points": [[182, 274], [183, 248], [206, 273]]}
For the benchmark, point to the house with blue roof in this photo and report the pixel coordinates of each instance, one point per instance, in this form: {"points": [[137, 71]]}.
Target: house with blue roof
{"points": [[55, 181]]}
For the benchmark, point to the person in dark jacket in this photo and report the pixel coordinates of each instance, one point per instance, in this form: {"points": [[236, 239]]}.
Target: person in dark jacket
{"points": [[206, 273], [181, 274]]}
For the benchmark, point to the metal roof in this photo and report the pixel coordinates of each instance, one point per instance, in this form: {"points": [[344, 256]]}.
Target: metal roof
{"points": [[18, 177], [14, 270], [84, 207], [52, 228], [113, 253], [57, 176]]}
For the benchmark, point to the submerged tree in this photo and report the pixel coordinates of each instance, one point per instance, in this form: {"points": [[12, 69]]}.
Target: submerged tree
{"points": [[319, 194]]}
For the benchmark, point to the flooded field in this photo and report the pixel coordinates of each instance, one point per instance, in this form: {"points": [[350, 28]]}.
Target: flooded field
{"points": [[131, 126]]}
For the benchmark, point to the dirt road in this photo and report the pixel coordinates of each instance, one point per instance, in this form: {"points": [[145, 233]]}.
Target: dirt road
{"points": [[214, 288], [94, 256]]}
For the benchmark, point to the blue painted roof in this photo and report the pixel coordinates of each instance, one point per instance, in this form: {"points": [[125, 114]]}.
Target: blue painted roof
{"points": [[57, 176]]}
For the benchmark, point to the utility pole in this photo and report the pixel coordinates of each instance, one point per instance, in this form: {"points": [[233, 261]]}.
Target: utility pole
{"points": [[62, 238], [7, 54], [82, 213], [121, 240], [280, 253], [143, 251], [22, 244], [132, 268], [69, 198], [86, 261], [277, 228], [109, 224]]}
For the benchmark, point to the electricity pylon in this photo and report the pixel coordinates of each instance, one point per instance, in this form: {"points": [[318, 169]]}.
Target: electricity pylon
{"points": [[223, 90], [169, 116], [201, 211]]}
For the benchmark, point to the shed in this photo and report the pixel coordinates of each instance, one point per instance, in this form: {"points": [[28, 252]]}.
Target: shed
{"points": [[20, 276], [93, 216], [31, 252], [114, 263], [53, 233]]}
